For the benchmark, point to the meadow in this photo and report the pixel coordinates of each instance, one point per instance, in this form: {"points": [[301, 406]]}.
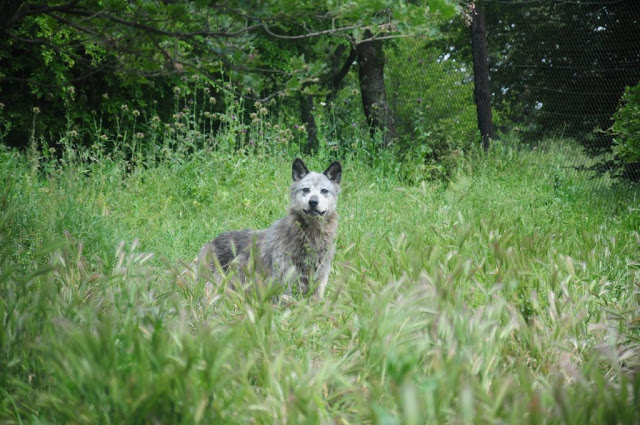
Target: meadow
{"points": [[507, 294]]}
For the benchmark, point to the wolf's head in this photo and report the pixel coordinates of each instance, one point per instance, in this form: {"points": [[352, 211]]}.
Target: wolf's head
{"points": [[315, 195]]}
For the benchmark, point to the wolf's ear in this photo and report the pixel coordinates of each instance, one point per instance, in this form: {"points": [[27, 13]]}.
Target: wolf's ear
{"points": [[298, 170], [334, 172]]}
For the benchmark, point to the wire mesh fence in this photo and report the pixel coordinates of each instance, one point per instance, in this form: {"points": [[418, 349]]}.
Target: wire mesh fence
{"points": [[558, 69]]}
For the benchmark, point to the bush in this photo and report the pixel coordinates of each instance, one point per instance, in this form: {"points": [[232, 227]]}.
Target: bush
{"points": [[626, 129]]}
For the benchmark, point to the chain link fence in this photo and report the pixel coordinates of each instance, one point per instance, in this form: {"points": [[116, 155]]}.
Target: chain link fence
{"points": [[558, 69]]}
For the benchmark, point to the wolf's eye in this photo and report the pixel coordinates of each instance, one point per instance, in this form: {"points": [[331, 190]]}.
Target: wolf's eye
{"points": [[305, 190], [324, 191]]}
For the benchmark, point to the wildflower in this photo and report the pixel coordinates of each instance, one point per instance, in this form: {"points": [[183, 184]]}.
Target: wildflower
{"points": [[207, 114], [176, 90], [253, 115], [136, 113], [104, 137], [155, 118], [196, 77], [139, 135], [206, 90], [105, 96], [212, 100], [73, 133], [354, 125], [35, 109], [302, 128], [124, 107], [258, 105], [95, 146], [419, 100], [71, 90], [167, 126], [263, 111], [323, 104]]}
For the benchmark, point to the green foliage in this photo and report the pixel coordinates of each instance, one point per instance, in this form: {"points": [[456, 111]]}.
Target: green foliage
{"points": [[626, 127], [432, 96], [508, 295], [83, 60]]}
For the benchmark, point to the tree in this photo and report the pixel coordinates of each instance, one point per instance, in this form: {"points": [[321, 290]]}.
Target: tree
{"points": [[561, 67], [67, 43], [371, 75], [482, 92]]}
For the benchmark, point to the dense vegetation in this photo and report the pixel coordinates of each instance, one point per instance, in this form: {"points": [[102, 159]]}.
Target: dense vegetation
{"points": [[626, 129], [557, 69], [469, 286], [508, 294]]}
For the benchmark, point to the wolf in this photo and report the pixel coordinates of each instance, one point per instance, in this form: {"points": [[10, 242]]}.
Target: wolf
{"points": [[295, 251]]}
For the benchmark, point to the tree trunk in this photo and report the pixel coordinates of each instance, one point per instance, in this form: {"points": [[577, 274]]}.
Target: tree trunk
{"points": [[306, 114], [333, 81], [482, 92], [374, 102], [9, 15], [338, 71]]}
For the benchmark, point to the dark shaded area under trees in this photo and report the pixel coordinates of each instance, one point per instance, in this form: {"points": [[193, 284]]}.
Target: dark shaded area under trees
{"points": [[557, 68], [560, 68]]}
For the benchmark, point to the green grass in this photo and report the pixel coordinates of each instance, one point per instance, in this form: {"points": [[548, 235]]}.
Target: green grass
{"points": [[509, 295]]}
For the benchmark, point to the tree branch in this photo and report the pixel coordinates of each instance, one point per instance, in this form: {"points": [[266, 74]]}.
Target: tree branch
{"points": [[312, 34]]}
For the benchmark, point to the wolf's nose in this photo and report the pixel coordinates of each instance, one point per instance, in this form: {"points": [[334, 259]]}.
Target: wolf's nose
{"points": [[313, 203]]}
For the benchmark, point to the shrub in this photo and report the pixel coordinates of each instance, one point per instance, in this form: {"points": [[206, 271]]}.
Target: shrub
{"points": [[626, 130]]}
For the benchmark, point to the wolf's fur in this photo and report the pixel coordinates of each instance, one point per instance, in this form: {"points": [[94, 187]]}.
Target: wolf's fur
{"points": [[295, 250]]}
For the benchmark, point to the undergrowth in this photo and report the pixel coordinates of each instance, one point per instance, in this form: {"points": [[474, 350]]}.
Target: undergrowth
{"points": [[506, 295]]}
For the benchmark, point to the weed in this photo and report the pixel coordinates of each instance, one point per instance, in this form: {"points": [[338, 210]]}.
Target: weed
{"points": [[508, 294]]}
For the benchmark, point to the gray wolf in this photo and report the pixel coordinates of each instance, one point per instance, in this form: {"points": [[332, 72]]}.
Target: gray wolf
{"points": [[297, 250]]}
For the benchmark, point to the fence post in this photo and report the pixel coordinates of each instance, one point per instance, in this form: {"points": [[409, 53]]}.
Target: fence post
{"points": [[482, 93]]}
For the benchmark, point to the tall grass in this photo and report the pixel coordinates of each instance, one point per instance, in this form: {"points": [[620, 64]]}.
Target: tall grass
{"points": [[507, 295]]}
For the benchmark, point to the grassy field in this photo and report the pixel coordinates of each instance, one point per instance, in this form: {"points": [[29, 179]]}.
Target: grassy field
{"points": [[508, 295]]}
